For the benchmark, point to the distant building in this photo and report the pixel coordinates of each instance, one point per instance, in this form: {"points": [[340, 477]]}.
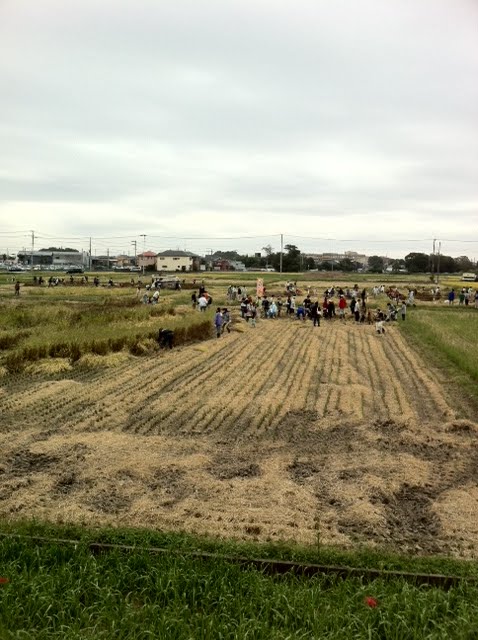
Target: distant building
{"points": [[147, 259], [125, 261], [223, 264], [58, 259], [175, 260], [335, 258]]}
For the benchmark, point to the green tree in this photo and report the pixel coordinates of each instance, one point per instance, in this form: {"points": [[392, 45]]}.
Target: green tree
{"points": [[227, 255], [463, 263], [375, 264], [291, 260], [397, 265], [417, 262], [447, 265], [253, 262], [347, 265]]}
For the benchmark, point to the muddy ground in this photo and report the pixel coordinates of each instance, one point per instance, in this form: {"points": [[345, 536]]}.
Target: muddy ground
{"points": [[282, 432]]}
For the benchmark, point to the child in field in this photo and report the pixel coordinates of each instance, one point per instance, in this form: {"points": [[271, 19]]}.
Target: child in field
{"points": [[403, 310], [380, 322]]}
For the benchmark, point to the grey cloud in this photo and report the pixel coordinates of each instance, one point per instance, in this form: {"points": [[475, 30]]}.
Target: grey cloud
{"points": [[319, 108]]}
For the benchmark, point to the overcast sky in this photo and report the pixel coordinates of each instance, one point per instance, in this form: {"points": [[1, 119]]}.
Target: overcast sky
{"points": [[342, 124]]}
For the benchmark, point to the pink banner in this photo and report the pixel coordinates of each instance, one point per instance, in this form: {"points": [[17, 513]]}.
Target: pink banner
{"points": [[260, 288]]}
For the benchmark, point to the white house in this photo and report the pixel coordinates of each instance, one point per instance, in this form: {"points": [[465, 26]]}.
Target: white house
{"points": [[175, 260]]}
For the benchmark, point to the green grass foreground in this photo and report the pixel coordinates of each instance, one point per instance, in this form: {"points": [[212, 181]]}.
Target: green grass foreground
{"points": [[63, 591], [448, 339]]}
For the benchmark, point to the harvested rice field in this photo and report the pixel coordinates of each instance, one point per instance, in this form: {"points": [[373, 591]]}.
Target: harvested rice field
{"points": [[279, 432]]}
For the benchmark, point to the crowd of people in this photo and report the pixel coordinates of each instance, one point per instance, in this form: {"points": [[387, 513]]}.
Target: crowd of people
{"points": [[335, 303], [327, 308], [466, 295]]}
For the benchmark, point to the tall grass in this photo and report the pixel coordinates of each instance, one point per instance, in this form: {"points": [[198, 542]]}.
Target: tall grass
{"points": [[59, 591], [448, 338], [34, 329]]}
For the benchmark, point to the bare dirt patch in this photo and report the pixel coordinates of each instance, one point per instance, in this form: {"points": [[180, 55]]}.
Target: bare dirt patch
{"points": [[272, 433], [227, 466]]}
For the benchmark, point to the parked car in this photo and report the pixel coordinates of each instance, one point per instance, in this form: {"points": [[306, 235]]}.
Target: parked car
{"points": [[75, 270]]}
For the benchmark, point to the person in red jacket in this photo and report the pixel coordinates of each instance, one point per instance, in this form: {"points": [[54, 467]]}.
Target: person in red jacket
{"points": [[342, 307]]}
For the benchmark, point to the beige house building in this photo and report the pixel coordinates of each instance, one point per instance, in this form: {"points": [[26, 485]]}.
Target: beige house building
{"points": [[147, 259], [172, 260]]}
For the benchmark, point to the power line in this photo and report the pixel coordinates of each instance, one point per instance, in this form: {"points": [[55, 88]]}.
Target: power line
{"points": [[79, 238]]}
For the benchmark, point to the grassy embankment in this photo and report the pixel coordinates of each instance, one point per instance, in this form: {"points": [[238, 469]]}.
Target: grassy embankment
{"points": [[63, 591], [447, 336]]}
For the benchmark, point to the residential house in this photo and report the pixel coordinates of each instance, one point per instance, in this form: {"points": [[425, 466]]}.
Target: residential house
{"points": [[147, 259], [176, 260]]}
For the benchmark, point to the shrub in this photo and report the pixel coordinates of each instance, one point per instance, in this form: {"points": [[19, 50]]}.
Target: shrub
{"points": [[75, 352], [59, 350], [99, 347], [117, 344], [14, 363], [9, 340], [137, 348]]}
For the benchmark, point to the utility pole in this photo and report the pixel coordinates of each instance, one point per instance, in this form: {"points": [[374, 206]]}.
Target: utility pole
{"points": [[281, 251], [433, 259], [31, 254], [89, 260], [135, 258], [438, 262], [108, 258], [143, 235]]}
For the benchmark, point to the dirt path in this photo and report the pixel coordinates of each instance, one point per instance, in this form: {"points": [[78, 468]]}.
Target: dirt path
{"points": [[284, 431]]}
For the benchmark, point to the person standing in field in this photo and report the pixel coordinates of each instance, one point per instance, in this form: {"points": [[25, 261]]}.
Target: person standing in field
{"points": [[279, 306], [202, 303], [451, 296], [251, 313], [403, 310], [342, 307], [218, 322], [292, 306], [315, 314], [17, 288], [226, 321], [194, 300], [272, 313], [357, 311]]}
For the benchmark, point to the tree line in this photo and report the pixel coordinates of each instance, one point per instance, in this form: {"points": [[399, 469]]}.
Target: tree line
{"points": [[293, 260]]}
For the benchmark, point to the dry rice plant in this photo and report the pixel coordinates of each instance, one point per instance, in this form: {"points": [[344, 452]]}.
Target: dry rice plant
{"points": [[249, 435]]}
